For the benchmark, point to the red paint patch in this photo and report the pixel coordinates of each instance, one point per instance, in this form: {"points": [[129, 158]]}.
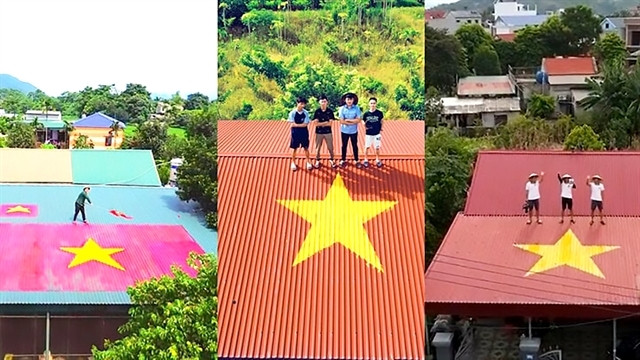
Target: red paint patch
{"points": [[120, 214], [32, 259], [18, 210]]}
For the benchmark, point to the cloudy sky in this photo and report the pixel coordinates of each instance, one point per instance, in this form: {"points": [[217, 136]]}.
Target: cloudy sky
{"points": [[66, 45]]}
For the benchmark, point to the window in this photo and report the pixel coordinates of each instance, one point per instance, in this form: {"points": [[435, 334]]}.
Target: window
{"points": [[500, 119], [606, 25], [108, 140]]}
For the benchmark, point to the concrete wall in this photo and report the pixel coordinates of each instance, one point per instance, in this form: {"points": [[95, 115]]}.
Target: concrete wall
{"points": [[97, 135], [488, 119]]}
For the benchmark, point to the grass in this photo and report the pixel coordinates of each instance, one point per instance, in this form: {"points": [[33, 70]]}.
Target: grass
{"points": [[131, 129], [382, 65]]}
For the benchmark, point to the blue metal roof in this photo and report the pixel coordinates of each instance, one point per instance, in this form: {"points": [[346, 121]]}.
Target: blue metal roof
{"points": [[523, 20], [147, 205], [97, 120]]}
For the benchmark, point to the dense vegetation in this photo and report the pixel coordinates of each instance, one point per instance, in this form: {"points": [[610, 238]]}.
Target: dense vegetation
{"points": [[612, 121], [272, 52]]}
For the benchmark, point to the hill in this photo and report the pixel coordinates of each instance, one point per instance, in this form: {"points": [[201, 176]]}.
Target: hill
{"points": [[602, 7], [9, 82], [307, 53]]}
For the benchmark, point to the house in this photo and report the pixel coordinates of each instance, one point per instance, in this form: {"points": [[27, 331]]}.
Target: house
{"points": [[434, 14], [505, 37], [613, 24], [84, 304], [512, 8], [494, 268], [42, 115], [629, 30], [4, 114], [453, 20], [511, 24], [566, 78], [305, 265], [99, 128], [50, 127], [482, 101]]}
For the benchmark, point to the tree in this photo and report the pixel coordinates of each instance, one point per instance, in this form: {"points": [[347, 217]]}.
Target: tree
{"points": [[472, 37], [555, 36], [507, 54], [83, 142], [524, 134], [21, 135], [583, 138], [446, 58], [584, 28], [485, 61], [198, 176], [611, 49], [196, 101], [151, 135], [433, 107], [541, 106], [173, 317], [530, 46]]}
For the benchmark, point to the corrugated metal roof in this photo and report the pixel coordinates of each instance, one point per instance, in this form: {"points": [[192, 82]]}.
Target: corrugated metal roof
{"points": [[499, 179], [486, 85], [116, 167], [51, 124], [333, 303], [455, 105], [55, 210], [484, 261], [523, 20], [35, 165], [569, 66], [97, 120], [271, 138]]}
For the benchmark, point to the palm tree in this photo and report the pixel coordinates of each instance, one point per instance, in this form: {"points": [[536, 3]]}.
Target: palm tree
{"points": [[115, 128]]}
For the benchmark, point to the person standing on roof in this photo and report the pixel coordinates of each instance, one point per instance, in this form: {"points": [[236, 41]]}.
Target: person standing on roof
{"points": [[532, 190], [299, 119], [79, 204], [567, 185], [350, 116], [322, 118], [597, 190], [373, 125]]}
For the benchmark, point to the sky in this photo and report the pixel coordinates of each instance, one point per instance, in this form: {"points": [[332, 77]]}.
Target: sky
{"points": [[66, 45], [431, 3]]}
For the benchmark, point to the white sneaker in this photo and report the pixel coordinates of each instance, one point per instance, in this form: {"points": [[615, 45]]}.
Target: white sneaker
{"points": [[294, 167], [317, 165], [309, 166]]}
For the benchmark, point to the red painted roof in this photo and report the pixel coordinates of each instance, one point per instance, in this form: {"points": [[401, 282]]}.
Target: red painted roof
{"points": [[486, 85], [569, 66], [499, 180], [506, 37], [271, 138], [334, 303], [478, 267], [435, 14]]}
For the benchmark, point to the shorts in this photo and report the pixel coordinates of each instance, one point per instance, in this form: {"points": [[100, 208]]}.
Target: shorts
{"points": [[374, 140], [567, 204], [534, 204], [596, 204], [299, 140]]}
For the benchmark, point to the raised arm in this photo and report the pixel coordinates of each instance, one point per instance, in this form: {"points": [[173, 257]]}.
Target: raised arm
{"points": [[559, 178], [588, 180], [541, 176]]}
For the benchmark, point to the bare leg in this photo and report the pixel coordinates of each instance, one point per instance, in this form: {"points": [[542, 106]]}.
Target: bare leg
{"points": [[571, 214], [306, 154], [602, 217], [592, 212], [377, 155]]}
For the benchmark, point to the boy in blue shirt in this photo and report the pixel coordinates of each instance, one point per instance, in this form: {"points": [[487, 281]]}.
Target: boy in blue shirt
{"points": [[350, 116], [299, 119]]}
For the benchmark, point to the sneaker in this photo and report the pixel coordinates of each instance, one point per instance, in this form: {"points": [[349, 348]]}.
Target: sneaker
{"points": [[358, 165], [366, 163], [332, 163], [343, 163], [379, 163], [85, 221], [317, 164], [294, 167], [309, 166]]}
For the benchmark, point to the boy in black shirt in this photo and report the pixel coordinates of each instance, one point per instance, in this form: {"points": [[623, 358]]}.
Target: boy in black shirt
{"points": [[373, 124], [299, 120], [322, 117]]}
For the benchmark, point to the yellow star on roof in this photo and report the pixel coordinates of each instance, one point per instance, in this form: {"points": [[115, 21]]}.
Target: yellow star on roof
{"points": [[567, 251], [91, 251], [18, 209], [338, 219]]}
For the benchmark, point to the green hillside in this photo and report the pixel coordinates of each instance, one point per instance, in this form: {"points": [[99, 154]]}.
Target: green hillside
{"points": [[307, 53], [602, 7]]}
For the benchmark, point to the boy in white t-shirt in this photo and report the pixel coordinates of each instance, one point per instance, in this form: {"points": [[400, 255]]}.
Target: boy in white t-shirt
{"points": [[567, 185], [532, 190], [597, 190]]}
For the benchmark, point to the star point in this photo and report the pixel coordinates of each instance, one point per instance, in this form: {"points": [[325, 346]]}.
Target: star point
{"points": [[567, 251], [338, 219], [91, 251], [18, 209]]}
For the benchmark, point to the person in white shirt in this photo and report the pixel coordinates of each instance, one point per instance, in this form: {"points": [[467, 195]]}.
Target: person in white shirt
{"points": [[597, 190], [532, 190], [566, 185]]}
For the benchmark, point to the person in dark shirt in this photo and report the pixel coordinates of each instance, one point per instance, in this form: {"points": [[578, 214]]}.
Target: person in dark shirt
{"points": [[299, 119], [322, 118], [373, 125], [79, 204]]}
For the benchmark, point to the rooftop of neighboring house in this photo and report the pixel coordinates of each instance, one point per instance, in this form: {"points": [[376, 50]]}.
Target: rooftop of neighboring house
{"points": [[506, 37], [617, 22], [486, 85], [435, 14], [569, 66], [97, 120], [465, 14], [522, 20]]}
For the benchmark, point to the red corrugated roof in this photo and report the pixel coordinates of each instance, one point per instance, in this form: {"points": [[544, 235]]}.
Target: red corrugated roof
{"points": [[435, 14], [499, 180], [506, 37], [479, 266], [333, 303], [271, 138], [569, 66]]}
